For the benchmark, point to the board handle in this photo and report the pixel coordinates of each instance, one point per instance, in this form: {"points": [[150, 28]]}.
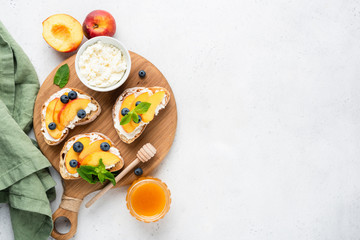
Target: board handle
{"points": [[69, 208]]}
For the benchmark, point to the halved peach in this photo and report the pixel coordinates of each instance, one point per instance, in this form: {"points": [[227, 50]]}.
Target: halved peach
{"points": [[155, 100], [71, 154], [56, 133], [93, 159], [71, 109], [62, 32], [93, 147]]}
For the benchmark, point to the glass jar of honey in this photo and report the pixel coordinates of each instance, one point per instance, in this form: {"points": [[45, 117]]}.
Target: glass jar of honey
{"points": [[148, 199]]}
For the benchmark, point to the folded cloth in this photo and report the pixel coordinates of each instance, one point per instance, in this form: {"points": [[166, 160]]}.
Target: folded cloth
{"points": [[25, 182]]}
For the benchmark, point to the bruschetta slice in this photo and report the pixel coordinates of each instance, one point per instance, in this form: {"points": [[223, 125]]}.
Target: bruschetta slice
{"points": [[154, 98], [64, 110], [87, 150]]}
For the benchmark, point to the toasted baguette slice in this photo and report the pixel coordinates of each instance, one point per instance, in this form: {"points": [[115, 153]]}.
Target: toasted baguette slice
{"points": [[129, 138], [89, 117], [69, 143]]}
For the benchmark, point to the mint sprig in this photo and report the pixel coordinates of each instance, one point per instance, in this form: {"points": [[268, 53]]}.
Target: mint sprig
{"points": [[141, 108], [96, 174]]}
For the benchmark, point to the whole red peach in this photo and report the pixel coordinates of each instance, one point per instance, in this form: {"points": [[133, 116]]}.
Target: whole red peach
{"points": [[99, 23]]}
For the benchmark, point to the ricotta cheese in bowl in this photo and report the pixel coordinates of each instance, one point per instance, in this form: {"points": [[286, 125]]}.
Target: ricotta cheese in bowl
{"points": [[103, 64]]}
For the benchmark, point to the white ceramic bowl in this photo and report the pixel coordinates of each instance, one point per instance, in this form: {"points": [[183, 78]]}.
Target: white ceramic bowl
{"points": [[108, 40]]}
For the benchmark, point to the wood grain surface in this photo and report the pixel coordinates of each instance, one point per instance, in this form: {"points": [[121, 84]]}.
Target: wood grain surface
{"points": [[160, 132]]}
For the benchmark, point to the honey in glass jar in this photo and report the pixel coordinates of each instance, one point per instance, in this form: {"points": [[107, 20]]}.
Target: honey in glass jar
{"points": [[148, 199]]}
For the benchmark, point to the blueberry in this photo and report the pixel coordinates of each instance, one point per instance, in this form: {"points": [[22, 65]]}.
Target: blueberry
{"points": [[137, 103], [72, 95], [142, 73], [105, 146], [64, 99], [52, 126], [138, 171], [139, 119], [78, 147], [81, 113], [124, 111], [73, 163]]}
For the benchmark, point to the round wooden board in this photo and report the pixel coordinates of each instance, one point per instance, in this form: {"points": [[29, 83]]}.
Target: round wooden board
{"points": [[160, 132]]}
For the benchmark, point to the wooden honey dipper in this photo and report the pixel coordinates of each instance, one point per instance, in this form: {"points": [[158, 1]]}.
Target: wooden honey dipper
{"points": [[144, 154]]}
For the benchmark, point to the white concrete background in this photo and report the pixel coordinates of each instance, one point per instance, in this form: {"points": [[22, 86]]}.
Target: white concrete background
{"points": [[268, 94]]}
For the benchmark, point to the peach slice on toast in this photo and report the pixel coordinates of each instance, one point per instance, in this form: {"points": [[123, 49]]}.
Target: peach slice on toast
{"points": [[108, 159], [59, 107], [155, 100], [71, 109], [72, 155], [93, 147], [56, 133], [141, 98], [128, 101]]}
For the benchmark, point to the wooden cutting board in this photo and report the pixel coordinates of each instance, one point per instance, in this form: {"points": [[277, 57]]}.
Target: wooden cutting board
{"points": [[160, 132]]}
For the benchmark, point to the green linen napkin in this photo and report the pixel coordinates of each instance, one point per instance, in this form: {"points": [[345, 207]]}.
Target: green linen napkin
{"points": [[25, 182]]}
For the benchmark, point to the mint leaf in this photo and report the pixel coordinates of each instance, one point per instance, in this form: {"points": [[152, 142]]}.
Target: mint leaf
{"points": [[142, 107], [61, 77], [126, 119], [101, 164], [88, 169], [110, 177], [101, 177], [135, 117], [85, 176]]}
